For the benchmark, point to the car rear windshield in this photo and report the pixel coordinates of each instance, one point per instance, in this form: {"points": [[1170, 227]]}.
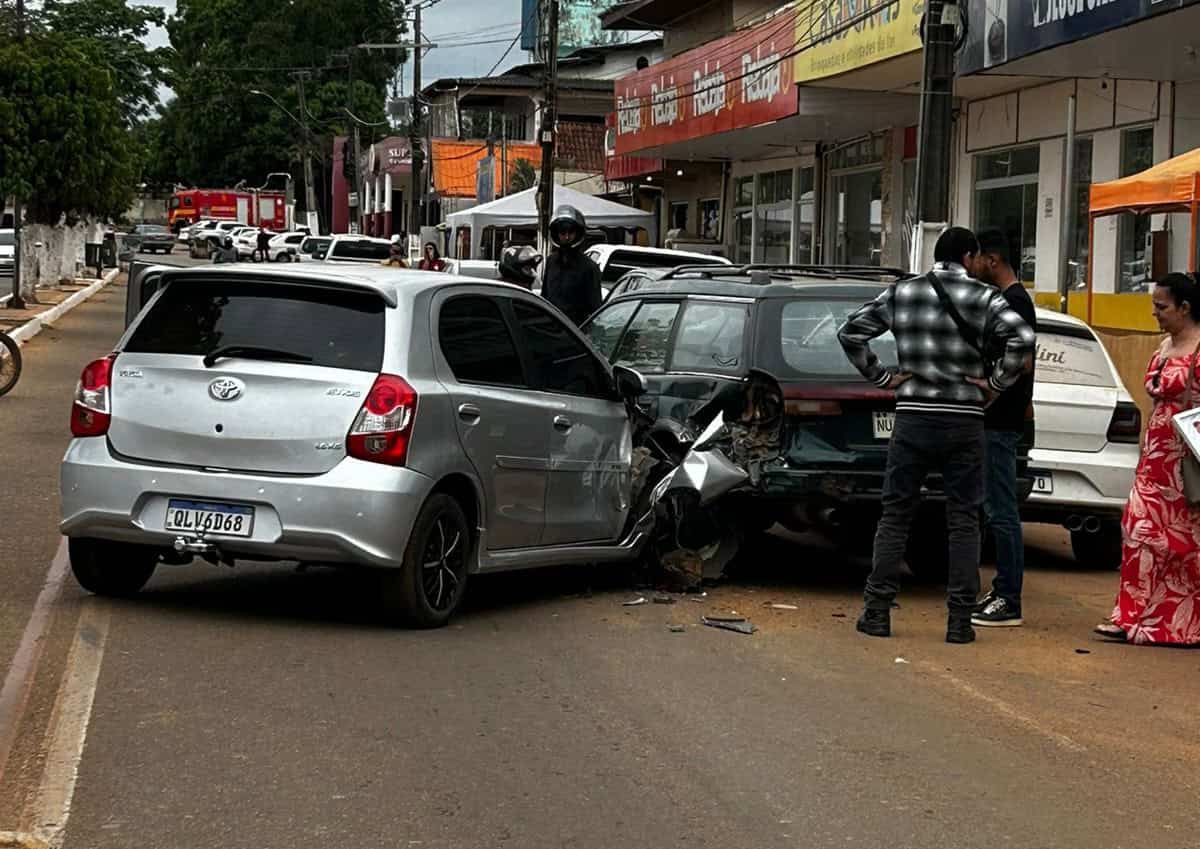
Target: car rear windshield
{"points": [[335, 328], [808, 343], [355, 249], [6, 239], [1071, 355]]}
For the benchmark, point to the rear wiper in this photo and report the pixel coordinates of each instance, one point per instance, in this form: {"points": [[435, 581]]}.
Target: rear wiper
{"points": [[254, 352]]}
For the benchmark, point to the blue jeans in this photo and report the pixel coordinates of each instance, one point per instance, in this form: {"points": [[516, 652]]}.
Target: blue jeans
{"points": [[1001, 509]]}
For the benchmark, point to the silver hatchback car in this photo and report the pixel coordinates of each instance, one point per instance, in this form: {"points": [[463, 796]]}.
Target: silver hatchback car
{"points": [[427, 424]]}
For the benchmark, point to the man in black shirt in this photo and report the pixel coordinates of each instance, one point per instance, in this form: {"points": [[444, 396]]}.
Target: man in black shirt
{"points": [[1004, 420]]}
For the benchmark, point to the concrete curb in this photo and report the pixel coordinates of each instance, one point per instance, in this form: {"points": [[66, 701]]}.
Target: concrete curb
{"points": [[39, 322]]}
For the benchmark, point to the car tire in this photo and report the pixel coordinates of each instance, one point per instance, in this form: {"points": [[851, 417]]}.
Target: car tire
{"points": [[439, 551], [111, 568], [1101, 550]]}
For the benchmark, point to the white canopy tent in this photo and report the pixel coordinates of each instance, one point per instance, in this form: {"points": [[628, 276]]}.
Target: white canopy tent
{"points": [[520, 210]]}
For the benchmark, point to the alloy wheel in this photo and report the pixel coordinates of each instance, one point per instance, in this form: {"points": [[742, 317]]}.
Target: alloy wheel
{"points": [[442, 564]]}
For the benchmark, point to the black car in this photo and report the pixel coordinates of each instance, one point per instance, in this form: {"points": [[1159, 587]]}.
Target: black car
{"points": [[150, 238], [697, 330]]}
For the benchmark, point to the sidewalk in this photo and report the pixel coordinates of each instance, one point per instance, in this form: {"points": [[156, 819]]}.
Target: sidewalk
{"points": [[53, 302]]}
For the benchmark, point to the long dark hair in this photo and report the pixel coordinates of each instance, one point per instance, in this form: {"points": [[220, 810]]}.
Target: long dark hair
{"points": [[436, 253], [1184, 290]]}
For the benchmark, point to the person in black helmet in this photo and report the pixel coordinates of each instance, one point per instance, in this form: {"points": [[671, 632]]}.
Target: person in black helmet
{"points": [[518, 265], [570, 281]]}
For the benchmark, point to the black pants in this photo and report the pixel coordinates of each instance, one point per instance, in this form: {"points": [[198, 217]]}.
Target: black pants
{"points": [[922, 443]]}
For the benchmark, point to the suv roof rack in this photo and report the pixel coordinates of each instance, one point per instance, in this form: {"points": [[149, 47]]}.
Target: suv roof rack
{"points": [[764, 273]]}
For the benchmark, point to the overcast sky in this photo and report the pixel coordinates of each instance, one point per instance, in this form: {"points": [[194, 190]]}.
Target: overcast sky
{"points": [[449, 22]]}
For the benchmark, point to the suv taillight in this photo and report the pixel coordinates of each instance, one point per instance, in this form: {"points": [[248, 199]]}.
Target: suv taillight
{"points": [[384, 424], [1126, 424], [92, 410]]}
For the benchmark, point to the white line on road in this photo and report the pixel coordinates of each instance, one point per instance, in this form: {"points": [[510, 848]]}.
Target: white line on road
{"points": [[1005, 709], [69, 723], [17, 683]]}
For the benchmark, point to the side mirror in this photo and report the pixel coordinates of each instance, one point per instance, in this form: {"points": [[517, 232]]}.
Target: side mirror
{"points": [[630, 384]]}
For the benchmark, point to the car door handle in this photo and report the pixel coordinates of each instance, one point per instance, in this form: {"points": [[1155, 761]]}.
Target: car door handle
{"points": [[562, 423], [468, 413]]}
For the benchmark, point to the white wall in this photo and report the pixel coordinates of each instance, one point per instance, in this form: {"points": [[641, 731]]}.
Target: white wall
{"points": [[1038, 115]]}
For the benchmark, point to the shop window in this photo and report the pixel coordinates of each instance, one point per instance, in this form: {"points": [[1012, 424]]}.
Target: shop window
{"points": [[708, 216], [857, 200], [805, 215], [743, 219], [677, 215], [868, 151], [1006, 197], [1079, 223], [1133, 264], [773, 214]]}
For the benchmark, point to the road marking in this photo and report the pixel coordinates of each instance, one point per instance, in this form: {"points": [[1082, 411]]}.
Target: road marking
{"points": [[19, 680], [1005, 709], [69, 723]]}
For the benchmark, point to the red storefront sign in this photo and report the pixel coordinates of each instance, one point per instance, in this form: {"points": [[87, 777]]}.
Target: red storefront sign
{"points": [[624, 167], [737, 81]]}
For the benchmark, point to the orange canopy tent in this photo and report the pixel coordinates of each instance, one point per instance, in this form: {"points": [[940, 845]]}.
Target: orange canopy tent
{"points": [[1171, 186]]}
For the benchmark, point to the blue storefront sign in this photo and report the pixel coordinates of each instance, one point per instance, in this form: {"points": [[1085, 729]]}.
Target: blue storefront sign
{"points": [[1000, 31]]}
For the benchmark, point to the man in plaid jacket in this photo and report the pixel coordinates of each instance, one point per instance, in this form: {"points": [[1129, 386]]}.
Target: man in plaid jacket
{"points": [[941, 390]]}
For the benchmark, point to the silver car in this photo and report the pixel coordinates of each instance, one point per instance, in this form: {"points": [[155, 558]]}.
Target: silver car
{"points": [[431, 425]]}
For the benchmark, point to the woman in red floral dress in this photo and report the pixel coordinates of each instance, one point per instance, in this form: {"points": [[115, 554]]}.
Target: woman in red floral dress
{"points": [[1159, 597]]}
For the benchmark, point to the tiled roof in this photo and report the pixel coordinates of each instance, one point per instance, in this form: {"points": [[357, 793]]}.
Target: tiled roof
{"points": [[580, 146]]}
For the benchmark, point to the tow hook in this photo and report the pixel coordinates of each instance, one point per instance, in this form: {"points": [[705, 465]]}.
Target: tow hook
{"points": [[197, 546]]}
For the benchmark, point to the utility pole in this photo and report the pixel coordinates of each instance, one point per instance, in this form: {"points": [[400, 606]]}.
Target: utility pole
{"points": [[414, 130], [547, 134], [310, 194], [503, 154], [935, 135], [16, 302]]}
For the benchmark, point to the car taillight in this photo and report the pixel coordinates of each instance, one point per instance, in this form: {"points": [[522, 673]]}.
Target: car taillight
{"points": [[382, 429], [92, 410], [1126, 424]]}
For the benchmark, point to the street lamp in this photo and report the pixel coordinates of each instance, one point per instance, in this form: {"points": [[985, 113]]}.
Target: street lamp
{"points": [[310, 195]]}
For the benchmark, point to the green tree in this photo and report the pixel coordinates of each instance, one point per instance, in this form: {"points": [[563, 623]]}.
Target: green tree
{"points": [[118, 32], [524, 176], [64, 146]]}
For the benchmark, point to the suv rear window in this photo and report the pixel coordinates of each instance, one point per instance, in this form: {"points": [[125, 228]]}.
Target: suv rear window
{"points": [[808, 336], [1071, 356], [336, 328], [359, 249]]}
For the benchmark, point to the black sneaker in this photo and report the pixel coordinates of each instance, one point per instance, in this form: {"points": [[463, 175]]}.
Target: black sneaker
{"points": [[875, 623], [959, 630], [998, 613], [982, 604]]}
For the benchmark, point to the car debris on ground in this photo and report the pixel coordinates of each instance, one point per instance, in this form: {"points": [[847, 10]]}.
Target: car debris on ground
{"points": [[729, 623]]}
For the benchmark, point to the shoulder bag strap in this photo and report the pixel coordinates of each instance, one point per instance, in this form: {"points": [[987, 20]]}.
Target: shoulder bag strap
{"points": [[968, 333], [1191, 378]]}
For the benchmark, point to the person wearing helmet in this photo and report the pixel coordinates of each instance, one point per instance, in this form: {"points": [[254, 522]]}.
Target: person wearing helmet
{"points": [[519, 264], [571, 281], [226, 252]]}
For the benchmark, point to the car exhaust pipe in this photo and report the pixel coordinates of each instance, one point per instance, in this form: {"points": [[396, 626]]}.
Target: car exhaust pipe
{"points": [[207, 550], [1074, 524], [1091, 525]]}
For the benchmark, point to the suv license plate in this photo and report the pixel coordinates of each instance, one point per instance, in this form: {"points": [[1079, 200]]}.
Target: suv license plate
{"points": [[884, 424], [207, 517], [1043, 483]]}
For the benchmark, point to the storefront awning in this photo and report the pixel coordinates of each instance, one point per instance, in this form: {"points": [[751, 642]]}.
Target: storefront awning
{"points": [[1169, 186]]}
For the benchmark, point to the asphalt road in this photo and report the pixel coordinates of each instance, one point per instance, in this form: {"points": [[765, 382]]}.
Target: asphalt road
{"points": [[261, 707]]}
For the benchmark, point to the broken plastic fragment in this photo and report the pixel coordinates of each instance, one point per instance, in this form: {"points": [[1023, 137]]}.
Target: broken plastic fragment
{"points": [[901, 660], [776, 606], [635, 602], [729, 623]]}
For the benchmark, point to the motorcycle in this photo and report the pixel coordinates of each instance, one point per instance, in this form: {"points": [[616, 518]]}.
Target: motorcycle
{"points": [[10, 363]]}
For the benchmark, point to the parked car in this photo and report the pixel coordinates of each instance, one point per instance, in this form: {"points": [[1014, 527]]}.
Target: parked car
{"points": [[617, 260], [285, 247], [245, 239], [484, 269], [694, 331], [7, 251], [1087, 445], [357, 249], [150, 238], [314, 247], [186, 233], [434, 409]]}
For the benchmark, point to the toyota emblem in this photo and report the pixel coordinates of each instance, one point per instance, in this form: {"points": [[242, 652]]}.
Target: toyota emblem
{"points": [[226, 389]]}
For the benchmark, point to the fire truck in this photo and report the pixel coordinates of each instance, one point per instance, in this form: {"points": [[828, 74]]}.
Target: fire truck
{"points": [[253, 207]]}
